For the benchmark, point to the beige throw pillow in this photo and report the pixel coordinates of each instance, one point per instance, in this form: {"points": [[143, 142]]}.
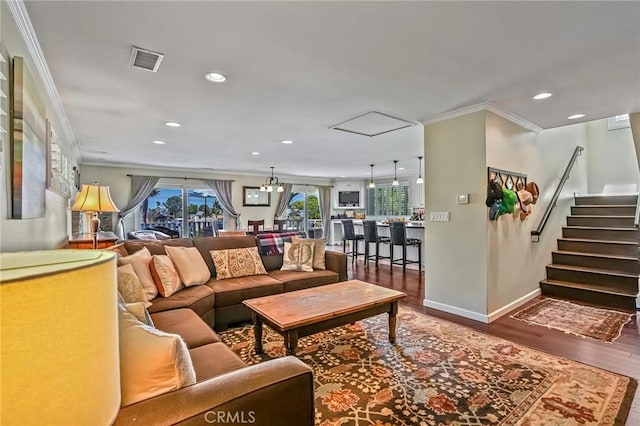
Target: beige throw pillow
{"points": [[165, 275], [240, 262], [130, 287], [152, 362], [139, 311], [319, 247], [140, 261], [189, 264], [298, 257]]}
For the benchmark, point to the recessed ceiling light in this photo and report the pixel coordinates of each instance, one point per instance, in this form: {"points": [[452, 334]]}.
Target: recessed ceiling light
{"points": [[543, 95], [400, 168], [215, 77], [172, 124], [343, 176], [575, 116], [287, 142], [159, 142], [255, 153]]}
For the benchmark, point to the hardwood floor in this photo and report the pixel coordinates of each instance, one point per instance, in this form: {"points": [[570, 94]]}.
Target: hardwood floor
{"points": [[622, 356]]}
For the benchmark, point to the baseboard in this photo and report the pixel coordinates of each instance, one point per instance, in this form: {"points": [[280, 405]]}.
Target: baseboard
{"points": [[481, 317], [513, 305]]}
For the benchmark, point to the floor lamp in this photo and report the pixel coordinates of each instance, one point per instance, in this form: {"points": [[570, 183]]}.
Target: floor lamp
{"points": [[94, 199]]}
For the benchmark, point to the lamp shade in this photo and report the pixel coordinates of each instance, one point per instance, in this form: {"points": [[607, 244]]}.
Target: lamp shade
{"points": [[94, 198], [60, 359]]}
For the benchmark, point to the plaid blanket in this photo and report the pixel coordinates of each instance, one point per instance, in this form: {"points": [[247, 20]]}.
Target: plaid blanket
{"points": [[273, 243]]}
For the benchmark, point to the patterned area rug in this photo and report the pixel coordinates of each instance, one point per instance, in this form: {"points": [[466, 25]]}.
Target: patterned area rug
{"points": [[585, 321], [441, 373]]}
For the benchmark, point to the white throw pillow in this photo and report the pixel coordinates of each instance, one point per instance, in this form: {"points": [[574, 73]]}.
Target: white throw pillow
{"points": [[140, 261]]}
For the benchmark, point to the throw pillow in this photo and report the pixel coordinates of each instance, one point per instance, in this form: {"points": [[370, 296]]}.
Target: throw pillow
{"points": [[319, 247], [239, 262], [120, 250], [298, 257], [129, 286], [165, 275], [139, 311], [152, 362], [190, 265], [140, 261]]}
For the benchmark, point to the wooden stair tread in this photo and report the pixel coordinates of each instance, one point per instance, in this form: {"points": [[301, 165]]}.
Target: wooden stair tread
{"points": [[582, 240], [593, 270], [604, 256], [604, 205], [590, 287], [601, 228], [602, 216]]}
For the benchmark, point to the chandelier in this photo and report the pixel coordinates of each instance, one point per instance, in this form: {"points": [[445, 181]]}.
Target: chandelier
{"points": [[270, 182]]}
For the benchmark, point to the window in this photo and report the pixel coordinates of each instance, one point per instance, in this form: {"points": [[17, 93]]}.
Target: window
{"points": [[388, 200], [303, 211]]}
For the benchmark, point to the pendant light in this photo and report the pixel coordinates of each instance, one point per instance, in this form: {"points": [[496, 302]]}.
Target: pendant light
{"points": [[420, 181], [371, 182], [270, 182], [395, 173]]}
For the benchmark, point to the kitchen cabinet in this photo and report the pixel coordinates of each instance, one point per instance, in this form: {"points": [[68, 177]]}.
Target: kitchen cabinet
{"points": [[416, 192]]}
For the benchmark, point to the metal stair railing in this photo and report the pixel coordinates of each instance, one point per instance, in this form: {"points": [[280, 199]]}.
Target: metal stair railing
{"points": [[535, 234]]}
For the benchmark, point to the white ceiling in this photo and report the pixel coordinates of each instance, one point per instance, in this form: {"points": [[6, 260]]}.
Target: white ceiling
{"points": [[296, 68]]}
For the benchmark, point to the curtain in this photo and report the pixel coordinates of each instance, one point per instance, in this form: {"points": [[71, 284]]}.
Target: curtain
{"points": [[284, 199], [141, 187], [222, 188], [324, 202]]}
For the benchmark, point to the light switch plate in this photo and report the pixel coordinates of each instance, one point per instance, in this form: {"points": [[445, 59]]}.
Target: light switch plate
{"points": [[439, 216], [463, 198]]}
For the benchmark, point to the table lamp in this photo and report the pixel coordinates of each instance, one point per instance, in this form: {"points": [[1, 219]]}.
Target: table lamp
{"points": [[59, 338], [94, 199]]}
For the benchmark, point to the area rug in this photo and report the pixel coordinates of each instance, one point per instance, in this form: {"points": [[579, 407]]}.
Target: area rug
{"points": [[440, 373], [581, 320]]}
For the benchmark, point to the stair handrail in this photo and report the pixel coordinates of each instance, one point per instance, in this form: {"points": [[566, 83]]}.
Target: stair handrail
{"points": [[636, 220], [535, 234]]}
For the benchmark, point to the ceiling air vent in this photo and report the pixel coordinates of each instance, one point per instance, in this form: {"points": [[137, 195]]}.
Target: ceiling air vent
{"points": [[145, 59]]}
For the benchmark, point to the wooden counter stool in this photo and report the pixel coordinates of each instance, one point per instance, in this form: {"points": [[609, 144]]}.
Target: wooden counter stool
{"points": [[399, 238], [371, 236], [349, 234]]}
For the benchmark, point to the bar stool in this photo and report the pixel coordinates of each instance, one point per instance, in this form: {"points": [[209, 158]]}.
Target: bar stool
{"points": [[371, 236], [399, 238], [349, 234]]}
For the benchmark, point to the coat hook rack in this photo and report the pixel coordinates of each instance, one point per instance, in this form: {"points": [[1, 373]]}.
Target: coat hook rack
{"points": [[507, 178]]}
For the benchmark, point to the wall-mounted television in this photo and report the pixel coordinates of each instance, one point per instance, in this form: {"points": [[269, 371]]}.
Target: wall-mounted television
{"points": [[348, 198]]}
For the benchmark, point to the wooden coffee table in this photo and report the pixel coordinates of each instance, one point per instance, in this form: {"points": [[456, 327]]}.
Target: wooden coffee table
{"points": [[304, 312]]}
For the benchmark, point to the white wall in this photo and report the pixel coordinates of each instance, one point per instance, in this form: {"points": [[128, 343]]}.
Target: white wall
{"points": [[31, 234], [120, 186], [613, 167]]}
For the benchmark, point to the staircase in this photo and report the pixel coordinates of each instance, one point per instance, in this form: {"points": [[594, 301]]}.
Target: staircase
{"points": [[598, 258]]}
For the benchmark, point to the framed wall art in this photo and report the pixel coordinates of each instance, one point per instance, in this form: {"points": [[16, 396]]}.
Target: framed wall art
{"points": [[28, 146], [59, 172]]}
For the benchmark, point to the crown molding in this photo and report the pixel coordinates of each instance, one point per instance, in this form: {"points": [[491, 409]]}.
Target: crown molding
{"points": [[20, 16], [484, 106]]}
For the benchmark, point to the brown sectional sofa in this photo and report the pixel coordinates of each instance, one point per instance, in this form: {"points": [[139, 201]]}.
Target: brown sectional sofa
{"points": [[219, 302]]}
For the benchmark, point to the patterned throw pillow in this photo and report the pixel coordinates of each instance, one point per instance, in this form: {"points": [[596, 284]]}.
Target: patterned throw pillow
{"points": [[240, 262], [190, 265], [129, 286], [319, 247], [298, 257], [140, 261], [165, 275]]}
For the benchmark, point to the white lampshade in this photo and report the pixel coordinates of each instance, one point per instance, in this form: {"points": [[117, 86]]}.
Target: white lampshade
{"points": [[60, 359], [94, 198]]}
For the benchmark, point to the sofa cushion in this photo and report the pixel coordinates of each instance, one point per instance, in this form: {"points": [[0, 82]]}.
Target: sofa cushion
{"points": [[272, 262], [152, 362], [140, 261], [199, 299], [296, 280], [319, 247], [129, 286], [214, 360], [187, 324], [165, 275], [206, 244], [298, 257], [190, 265], [156, 247], [233, 291], [139, 310], [240, 262]]}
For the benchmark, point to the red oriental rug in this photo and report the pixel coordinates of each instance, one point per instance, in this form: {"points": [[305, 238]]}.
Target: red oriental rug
{"points": [[440, 373]]}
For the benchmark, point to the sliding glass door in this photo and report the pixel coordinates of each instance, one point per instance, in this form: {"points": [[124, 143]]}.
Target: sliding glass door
{"points": [[303, 211]]}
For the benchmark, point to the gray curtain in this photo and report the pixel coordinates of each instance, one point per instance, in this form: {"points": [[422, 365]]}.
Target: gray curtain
{"points": [[141, 187], [222, 188], [283, 201], [324, 202]]}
